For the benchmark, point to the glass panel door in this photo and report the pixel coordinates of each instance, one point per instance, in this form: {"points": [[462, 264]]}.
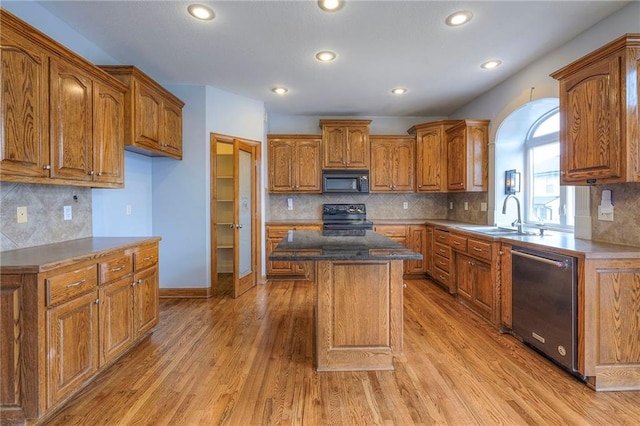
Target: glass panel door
{"points": [[244, 238]]}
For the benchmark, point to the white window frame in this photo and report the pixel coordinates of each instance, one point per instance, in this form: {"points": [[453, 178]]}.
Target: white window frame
{"points": [[536, 141]]}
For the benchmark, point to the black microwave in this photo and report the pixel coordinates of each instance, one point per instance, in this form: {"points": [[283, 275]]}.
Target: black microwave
{"points": [[345, 181]]}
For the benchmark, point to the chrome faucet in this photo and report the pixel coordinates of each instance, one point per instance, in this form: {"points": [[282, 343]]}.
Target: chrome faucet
{"points": [[518, 221]]}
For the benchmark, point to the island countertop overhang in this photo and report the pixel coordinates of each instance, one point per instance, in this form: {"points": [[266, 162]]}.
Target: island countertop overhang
{"points": [[315, 245]]}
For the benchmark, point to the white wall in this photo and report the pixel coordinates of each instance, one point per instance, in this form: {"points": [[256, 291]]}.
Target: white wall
{"points": [[181, 189], [110, 218], [310, 124]]}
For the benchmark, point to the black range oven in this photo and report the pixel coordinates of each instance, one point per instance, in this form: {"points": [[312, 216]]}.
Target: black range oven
{"points": [[345, 219]]}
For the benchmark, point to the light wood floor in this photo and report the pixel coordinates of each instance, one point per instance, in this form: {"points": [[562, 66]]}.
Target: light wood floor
{"points": [[250, 362]]}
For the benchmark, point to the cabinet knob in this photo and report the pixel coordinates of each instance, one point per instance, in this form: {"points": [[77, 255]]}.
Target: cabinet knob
{"points": [[91, 173], [99, 173], [47, 167], [97, 301]]}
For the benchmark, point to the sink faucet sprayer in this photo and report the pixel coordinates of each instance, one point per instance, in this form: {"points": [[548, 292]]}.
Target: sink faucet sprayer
{"points": [[518, 221]]}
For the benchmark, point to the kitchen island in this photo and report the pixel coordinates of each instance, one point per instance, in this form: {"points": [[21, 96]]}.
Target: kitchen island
{"points": [[358, 306]]}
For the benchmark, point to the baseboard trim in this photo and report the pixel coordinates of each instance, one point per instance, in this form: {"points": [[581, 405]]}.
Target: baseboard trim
{"points": [[186, 293]]}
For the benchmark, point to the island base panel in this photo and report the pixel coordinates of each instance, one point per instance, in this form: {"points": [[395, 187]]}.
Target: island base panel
{"points": [[358, 314]]}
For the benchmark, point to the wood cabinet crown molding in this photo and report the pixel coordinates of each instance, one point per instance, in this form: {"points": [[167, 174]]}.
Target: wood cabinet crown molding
{"points": [[62, 116], [599, 116]]}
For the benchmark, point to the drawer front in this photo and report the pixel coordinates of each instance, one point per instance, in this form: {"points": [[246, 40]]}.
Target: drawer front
{"points": [[442, 250], [458, 242], [441, 276], [279, 232], [441, 236], [145, 257], [115, 268], [442, 263], [392, 230], [479, 249], [69, 285]]}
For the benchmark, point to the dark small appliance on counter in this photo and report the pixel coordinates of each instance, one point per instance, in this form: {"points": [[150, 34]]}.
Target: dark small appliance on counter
{"points": [[345, 181]]}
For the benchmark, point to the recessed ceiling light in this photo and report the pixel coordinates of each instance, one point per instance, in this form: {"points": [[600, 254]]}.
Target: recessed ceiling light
{"points": [[279, 90], [330, 5], [459, 18], [489, 65], [325, 56], [201, 12], [399, 91]]}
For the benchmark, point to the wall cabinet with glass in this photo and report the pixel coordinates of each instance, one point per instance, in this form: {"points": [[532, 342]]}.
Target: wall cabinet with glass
{"points": [[599, 114]]}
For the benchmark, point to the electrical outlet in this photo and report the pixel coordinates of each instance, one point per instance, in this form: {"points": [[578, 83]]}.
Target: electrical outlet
{"points": [[128, 209], [68, 213], [450, 205], [607, 217], [289, 203], [22, 214], [466, 205], [483, 207], [405, 205]]}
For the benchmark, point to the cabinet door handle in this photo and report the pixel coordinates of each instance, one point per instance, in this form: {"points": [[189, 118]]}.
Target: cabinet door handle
{"points": [[119, 268], [77, 283]]}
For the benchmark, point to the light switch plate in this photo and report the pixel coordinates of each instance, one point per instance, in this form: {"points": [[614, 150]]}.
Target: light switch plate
{"points": [[466, 205], [483, 207], [289, 203], [68, 213], [405, 205]]}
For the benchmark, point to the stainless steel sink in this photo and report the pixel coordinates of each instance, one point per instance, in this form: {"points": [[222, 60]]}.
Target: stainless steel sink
{"points": [[495, 230]]}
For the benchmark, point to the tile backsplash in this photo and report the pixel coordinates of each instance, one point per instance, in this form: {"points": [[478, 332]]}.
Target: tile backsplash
{"points": [[625, 228], [379, 206], [45, 220]]}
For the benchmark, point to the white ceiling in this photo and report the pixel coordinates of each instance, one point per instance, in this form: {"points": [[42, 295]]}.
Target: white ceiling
{"points": [[252, 46]]}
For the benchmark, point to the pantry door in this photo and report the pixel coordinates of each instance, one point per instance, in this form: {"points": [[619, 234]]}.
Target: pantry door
{"points": [[244, 218]]}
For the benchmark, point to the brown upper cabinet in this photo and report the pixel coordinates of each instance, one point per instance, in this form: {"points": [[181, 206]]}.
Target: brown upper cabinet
{"points": [[153, 116], [599, 116], [392, 163], [345, 144], [467, 149], [295, 163], [62, 117], [431, 155]]}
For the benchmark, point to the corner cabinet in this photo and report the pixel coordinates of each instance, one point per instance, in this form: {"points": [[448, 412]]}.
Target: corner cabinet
{"points": [[599, 116], [392, 163], [295, 163], [62, 117], [468, 156], [153, 116], [345, 144], [431, 155], [70, 310]]}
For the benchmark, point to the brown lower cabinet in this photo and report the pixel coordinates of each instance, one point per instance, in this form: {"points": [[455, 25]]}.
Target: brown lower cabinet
{"points": [[67, 316], [412, 236], [283, 269]]}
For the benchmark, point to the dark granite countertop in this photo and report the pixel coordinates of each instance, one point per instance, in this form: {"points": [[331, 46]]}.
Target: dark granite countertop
{"points": [[314, 245]]}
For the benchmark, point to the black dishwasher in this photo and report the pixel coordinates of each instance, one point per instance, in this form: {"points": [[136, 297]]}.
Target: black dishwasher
{"points": [[544, 296]]}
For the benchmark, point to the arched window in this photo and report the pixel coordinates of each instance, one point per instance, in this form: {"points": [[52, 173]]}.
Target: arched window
{"points": [[547, 202]]}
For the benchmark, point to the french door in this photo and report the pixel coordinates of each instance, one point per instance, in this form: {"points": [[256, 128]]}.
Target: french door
{"points": [[235, 214]]}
